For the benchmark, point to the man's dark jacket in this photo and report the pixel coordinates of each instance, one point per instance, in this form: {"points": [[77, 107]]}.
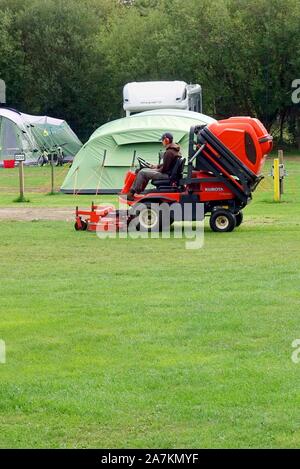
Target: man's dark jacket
{"points": [[169, 159]]}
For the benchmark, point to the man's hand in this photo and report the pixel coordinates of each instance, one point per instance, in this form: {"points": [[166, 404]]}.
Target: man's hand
{"points": [[153, 166]]}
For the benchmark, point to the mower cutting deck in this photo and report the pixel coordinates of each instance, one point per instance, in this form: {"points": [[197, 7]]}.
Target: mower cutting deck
{"points": [[224, 168], [100, 218]]}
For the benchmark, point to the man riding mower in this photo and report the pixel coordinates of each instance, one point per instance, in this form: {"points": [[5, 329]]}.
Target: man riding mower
{"points": [[160, 171], [223, 169]]}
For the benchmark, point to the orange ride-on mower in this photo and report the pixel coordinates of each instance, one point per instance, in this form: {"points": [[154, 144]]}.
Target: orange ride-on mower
{"points": [[224, 168]]}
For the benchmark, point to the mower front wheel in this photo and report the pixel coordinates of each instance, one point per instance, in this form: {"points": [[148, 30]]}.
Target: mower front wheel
{"points": [[152, 217], [222, 221]]}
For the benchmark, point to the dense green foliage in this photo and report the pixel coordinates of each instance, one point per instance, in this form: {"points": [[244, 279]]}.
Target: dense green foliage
{"points": [[71, 59]]}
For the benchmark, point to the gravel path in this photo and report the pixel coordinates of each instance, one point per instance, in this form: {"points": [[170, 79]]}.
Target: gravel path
{"points": [[37, 213]]}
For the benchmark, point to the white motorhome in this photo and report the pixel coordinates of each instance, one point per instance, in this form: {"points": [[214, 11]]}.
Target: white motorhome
{"points": [[149, 95]]}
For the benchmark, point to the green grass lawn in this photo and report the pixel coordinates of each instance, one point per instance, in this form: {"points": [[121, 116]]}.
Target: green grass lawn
{"points": [[142, 343]]}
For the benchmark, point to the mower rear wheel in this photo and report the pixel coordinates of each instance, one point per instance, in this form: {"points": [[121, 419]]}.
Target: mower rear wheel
{"points": [[239, 218], [222, 221]]}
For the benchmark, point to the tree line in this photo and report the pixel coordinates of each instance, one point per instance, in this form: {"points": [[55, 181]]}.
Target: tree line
{"points": [[70, 59]]}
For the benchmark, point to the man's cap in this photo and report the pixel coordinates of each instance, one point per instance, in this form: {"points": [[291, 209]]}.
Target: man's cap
{"points": [[166, 135]]}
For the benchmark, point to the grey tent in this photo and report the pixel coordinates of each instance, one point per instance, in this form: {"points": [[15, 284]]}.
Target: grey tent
{"points": [[28, 134]]}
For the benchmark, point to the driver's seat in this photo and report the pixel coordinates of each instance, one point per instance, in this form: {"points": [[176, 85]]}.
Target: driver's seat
{"points": [[174, 178]]}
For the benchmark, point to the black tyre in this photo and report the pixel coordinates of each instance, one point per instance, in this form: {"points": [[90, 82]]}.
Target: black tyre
{"points": [[152, 217], [60, 158], [54, 161], [239, 218], [41, 161], [83, 226], [222, 221]]}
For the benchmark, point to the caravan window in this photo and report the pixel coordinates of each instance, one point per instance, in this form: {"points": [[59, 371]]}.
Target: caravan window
{"points": [[195, 103]]}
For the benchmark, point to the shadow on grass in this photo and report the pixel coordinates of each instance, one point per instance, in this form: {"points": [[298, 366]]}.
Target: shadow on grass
{"points": [[272, 202], [21, 199]]}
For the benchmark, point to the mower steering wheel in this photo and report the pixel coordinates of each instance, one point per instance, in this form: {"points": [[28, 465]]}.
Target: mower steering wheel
{"points": [[143, 163]]}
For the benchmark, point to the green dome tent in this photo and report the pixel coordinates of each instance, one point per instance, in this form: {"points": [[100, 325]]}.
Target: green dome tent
{"points": [[102, 162], [28, 134]]}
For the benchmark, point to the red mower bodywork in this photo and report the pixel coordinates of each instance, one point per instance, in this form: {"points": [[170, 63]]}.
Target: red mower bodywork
{"points": [[224, 168]]}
